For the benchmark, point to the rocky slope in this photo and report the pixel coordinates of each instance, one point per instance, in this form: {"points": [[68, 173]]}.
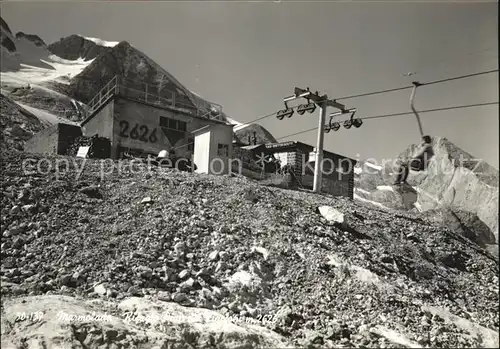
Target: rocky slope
{"points": [[8, 47], [454, 179], [16, 124], [115, 230]]}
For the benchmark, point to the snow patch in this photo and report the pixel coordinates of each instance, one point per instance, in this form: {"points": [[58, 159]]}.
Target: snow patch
{"points": [[63, 70], [385, 187], [394, 337], [418, 206], [240, 127], [362, 190], [357, 197], [101, 42]]}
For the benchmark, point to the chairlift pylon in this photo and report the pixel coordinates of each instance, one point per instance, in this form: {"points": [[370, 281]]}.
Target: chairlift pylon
{"points": [[412, 100]]}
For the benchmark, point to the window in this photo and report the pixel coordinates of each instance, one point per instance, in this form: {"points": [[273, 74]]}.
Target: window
{"points": [[222, 149], [172, 124]]}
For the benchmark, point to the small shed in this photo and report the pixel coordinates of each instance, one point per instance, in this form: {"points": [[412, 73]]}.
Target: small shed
{"points": [[213, 148]]}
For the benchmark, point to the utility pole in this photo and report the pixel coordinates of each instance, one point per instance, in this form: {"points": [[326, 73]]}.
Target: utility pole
{"points": [[323, 103]]}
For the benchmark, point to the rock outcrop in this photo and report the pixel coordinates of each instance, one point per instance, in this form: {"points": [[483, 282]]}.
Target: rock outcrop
{"points": [[464, 223], [31, 37], [10, 61], [66, 322], [138, 69], [75, 46]]}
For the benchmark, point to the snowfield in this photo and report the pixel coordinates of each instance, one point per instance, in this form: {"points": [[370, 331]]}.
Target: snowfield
{"points": [[62, 71], [101, 42]]}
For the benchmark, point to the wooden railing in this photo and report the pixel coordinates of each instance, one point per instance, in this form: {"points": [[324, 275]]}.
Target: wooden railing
{"points": [[150, 94]]}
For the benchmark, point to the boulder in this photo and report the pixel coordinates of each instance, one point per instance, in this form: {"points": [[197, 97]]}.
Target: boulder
{"points": [[465, 223]]}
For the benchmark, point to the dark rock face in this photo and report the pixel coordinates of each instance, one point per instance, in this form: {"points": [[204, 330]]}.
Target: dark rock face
{"points": [[8, 44], [33, 38], [137, 69], [16, 125], [464, 223], [4, 25], [6, 36], [128, 62], [75, 46]]}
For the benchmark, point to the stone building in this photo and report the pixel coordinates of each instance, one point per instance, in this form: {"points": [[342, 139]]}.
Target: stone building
{"points": [[338, 170], [140, 119], [55, 139]]}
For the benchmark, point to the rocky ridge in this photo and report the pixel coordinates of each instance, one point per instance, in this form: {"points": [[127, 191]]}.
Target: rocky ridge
{"points": [[31, 37], [75, 46], [16, 125]]}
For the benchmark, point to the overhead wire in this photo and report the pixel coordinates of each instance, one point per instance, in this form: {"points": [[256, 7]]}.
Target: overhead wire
{"points": [[421, 84], [369, 94], [400, 114], [385, 91]]}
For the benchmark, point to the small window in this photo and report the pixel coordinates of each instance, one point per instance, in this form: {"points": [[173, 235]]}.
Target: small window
{"points": [[163, 121], [223, 150], [190, 144], [182, 126]]}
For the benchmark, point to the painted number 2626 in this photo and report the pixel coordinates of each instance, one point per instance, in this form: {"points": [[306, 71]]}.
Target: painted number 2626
{"points": [[140, 132]]}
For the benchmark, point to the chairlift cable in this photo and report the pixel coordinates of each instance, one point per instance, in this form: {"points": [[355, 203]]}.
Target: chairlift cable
{"points": [[422, 84], [401, 114]]}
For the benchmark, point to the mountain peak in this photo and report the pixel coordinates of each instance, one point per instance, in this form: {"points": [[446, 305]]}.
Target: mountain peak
{"points": [[4, 25], [77, 46]]}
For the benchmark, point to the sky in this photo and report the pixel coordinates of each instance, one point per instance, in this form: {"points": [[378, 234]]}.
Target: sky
{"points": [[248, 56]]}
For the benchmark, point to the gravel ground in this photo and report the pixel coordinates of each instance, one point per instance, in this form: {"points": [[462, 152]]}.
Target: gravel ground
{"points": [[229, 244]]}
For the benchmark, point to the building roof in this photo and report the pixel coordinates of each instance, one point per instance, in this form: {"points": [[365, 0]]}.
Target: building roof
{"points": [[208, 127], [251, 147], [290, 146], [169, 108]]}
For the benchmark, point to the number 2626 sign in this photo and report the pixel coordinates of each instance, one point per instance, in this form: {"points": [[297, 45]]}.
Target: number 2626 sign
{"points": [[137, 131]]}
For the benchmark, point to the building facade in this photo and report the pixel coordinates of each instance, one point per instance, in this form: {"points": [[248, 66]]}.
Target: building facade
{"points": [[337, 170], [213, 149], [55, 139]]}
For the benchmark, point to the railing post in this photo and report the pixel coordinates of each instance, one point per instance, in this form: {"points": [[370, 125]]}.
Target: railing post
{"points": [[173, 98], [146, 97]]}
